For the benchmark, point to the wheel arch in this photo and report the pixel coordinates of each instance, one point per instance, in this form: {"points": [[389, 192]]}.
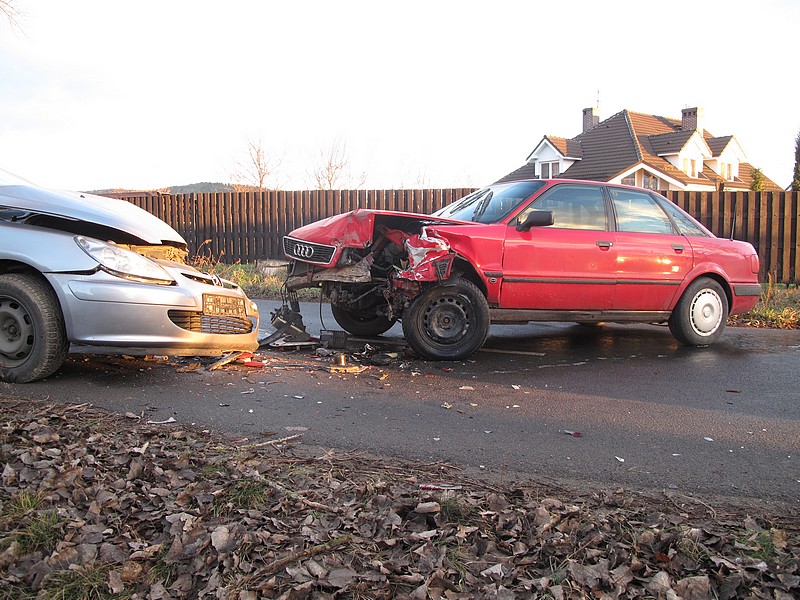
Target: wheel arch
{"points": [[466, 270], [14, 266], [719, 278]]}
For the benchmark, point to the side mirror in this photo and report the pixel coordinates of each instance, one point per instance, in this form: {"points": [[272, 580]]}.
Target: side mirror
{"points": [[536, 218]]}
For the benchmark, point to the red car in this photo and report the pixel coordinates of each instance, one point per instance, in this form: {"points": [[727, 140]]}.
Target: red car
{"points": [[537, 250]]}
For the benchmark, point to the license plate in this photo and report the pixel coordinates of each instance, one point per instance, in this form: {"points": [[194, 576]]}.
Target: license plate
{"points": [[223, 306]]}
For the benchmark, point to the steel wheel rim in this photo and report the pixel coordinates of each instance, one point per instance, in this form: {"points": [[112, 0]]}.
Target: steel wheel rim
{"points": [[16, 331], [706, 312], [447, 320]]}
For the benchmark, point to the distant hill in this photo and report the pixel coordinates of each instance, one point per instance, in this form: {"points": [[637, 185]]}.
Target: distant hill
{"points": [[201, 188], [192, 188]]}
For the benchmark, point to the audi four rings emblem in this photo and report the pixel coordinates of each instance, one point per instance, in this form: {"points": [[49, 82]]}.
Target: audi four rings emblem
{"points": [[303, 251]]}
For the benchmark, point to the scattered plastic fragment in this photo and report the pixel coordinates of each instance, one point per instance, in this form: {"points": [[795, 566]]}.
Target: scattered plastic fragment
{"points": [[250, 391], [708, 439], [447, 405], [516, 387], [439, 486], [620, 459], [170, 420], [573, 433], [466, 387]]}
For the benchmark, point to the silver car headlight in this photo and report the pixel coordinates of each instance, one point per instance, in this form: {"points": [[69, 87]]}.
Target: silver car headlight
{"points": [[124, 263]]}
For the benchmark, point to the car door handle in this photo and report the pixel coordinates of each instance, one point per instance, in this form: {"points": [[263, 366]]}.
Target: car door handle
{"points": [[604, 244], [678, 248]]}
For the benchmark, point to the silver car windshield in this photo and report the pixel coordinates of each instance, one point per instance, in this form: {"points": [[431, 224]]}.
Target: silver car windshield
{"points": [[491, 204]]}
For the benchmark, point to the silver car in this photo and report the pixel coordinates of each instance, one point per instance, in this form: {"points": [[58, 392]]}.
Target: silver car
{"points": [[82, 273]]}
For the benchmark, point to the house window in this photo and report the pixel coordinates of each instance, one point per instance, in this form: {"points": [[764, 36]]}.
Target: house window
{"points": [[649, 181], [725, 171], [690, 167], [549, 170]]}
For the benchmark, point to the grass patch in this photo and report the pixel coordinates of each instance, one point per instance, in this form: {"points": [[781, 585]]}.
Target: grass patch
{"points": [[34, 529], [40, 532], [20, 505], [243, 494], [89, 582], [455, 510], [778, 308], [251, 279]]}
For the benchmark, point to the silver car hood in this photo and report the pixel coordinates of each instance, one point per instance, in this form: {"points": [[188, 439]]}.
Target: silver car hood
{"points": [[106, 212]]}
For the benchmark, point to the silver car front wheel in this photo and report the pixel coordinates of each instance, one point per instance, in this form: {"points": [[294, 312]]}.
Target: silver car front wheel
{"points": [[33, 342]]}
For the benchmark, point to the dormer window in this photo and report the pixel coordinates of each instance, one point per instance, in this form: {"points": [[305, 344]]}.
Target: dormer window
{"points": [[549, 170], [690, 167], [725, 171]]}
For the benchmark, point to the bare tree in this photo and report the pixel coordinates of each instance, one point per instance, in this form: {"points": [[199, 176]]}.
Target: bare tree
{"points": [[332, 171], [10, 11], [257, 171]]}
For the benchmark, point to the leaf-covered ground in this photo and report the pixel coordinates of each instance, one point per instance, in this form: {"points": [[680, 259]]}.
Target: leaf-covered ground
{"points": [[95, 505]]}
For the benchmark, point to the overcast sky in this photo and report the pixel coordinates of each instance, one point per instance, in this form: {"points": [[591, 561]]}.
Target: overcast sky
{"points": [[140, 95]]}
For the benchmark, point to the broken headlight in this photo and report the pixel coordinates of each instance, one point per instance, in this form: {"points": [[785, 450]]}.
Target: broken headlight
{"points": [[124, 263]]}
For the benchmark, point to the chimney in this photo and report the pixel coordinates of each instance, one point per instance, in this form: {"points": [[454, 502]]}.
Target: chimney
{"points": [[692, 118], [591, 117]]}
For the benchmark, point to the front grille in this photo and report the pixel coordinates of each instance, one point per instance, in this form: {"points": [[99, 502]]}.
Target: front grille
{"points": [[200, 323], [319, 254]]}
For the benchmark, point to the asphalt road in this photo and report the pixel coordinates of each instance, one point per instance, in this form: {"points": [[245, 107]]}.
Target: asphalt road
{"points": [[650, 414]]}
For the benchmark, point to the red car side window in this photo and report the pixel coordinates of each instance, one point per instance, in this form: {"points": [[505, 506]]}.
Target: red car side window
{"points": [[573, 207], [638, 212]]}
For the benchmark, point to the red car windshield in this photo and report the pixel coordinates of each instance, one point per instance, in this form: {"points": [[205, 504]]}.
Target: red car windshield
{"points": [[491, 204]]}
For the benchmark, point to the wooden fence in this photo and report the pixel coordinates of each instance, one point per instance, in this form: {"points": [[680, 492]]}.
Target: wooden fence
{"points": [[249, 226]]}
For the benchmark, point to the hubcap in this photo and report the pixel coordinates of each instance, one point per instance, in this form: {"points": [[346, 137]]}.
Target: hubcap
{"points": [[16, 331], [447, 319], [706, 312]]}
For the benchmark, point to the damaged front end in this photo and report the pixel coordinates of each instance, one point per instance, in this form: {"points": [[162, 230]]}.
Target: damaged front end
{"points": [[369, 264]]}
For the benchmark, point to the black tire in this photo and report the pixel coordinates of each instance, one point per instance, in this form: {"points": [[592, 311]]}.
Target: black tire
{"points": [[448, 321], [364, 323], [33, 341], [700, 315]]}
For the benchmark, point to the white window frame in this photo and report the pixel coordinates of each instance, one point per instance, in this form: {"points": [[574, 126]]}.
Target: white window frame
{"points": [[550, 164]]}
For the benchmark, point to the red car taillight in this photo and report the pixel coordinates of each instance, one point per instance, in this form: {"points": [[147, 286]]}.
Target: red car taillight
{"points": [[754, 264]]}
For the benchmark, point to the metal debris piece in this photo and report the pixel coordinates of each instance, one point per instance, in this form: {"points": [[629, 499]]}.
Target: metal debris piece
{"points": [[228, 358], [334, 339], [288, 324], [352, 369]]}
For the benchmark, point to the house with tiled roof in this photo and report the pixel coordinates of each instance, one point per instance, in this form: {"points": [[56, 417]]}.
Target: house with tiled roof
{"points": [[649, 151]]}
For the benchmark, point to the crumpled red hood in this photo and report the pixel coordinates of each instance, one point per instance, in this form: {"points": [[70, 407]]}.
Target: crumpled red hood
{"points": [[355, 229]]}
